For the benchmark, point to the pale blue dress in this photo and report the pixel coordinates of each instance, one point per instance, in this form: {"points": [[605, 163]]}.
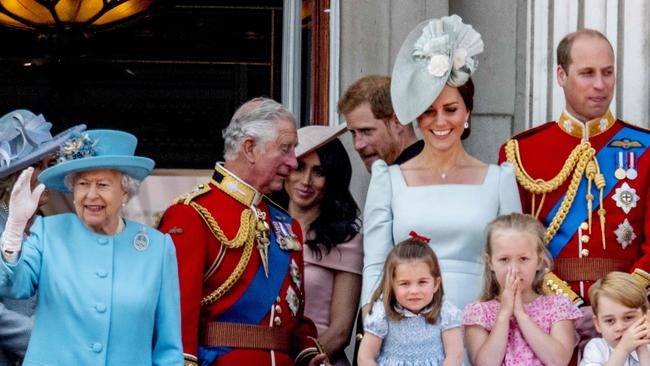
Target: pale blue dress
{"points": [[102, 300], [411, 341], [453, 216]]}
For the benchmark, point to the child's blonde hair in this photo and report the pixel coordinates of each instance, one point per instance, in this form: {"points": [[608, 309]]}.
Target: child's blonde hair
{"points": [[409, 250], [620, 287], [522, 223]]}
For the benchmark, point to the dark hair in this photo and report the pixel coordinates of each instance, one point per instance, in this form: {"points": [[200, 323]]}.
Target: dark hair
{"points": [[566, 44], [372, 89], [408, 251], [338, 220], [467, 93]]}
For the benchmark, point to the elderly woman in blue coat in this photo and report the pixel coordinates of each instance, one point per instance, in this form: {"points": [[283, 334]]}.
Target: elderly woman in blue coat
{"points": [[108, 287]]}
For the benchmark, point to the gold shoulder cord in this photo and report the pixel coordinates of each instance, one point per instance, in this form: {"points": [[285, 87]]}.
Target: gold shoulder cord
{"points": [[582, 159], [245, 237]]}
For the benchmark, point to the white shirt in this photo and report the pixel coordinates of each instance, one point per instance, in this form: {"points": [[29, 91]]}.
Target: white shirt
{"points": [[598, 352]]}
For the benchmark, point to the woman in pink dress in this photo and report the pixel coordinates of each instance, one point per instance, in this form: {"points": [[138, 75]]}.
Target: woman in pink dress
{"points": [[319, 198]]}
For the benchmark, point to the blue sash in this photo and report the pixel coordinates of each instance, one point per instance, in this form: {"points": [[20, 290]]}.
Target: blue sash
{"points": [[607, 159], [260, 295]]}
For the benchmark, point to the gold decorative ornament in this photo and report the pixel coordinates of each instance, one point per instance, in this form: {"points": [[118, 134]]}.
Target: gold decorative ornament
{"points": [[581, 161], [244, 237]]}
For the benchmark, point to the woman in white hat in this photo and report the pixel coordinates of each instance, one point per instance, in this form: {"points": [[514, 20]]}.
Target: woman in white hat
{"points": [[25, 140], [107, 287], [319, 198], [443, 193]]}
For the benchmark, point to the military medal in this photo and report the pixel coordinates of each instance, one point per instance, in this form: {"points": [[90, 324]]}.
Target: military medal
{"points": [[620, 171], [295, 273], [285, 237], [141, 241], [625, 234], [292, 300], [631, 166], [626, 197]]}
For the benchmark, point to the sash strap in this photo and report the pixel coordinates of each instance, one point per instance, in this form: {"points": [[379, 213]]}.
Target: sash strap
{"points": [[588, 269], [237, 335]]}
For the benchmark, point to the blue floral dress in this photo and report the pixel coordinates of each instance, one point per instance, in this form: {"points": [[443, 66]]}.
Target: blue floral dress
{"points": [[411, 341]]}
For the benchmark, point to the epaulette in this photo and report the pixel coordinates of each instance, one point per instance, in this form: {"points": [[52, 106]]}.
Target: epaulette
{"points": [[643, 277], [187, 197], [553, 285], [532, 131], [633, 126]]}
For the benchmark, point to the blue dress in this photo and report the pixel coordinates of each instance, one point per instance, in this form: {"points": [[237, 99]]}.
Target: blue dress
{"points": [[102, 300], [411, 341], [453, 216]]}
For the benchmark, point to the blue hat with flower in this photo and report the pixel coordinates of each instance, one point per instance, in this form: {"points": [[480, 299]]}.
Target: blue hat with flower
{"points": [[437, 52], [93, 150], [25, 139]]}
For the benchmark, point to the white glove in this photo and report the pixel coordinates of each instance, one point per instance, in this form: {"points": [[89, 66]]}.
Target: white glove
{"points": [[22, 206]]}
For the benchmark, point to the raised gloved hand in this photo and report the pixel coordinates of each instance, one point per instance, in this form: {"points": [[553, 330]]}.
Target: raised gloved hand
{"points": [[22, 206]]}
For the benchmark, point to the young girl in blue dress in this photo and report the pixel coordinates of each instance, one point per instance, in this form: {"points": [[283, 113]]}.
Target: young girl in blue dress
{"points": [[410, 324]]}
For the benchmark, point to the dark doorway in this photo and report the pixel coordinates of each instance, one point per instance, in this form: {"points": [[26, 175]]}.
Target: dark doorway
{"points": [[173, 77]]}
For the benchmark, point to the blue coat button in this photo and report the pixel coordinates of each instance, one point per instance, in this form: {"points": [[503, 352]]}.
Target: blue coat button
{"points": [[102, 241], [97, 347], [100, 308], [101, 274]]}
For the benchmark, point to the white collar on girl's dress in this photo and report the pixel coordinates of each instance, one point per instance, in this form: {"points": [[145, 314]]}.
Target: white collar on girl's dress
{"points": [[408, 314]]}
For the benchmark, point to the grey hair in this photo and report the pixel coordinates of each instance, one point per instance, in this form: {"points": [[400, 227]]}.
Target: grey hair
{"points": [[130, 185], [255, 118]]}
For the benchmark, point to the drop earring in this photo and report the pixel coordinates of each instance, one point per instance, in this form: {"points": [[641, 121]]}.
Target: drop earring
{"points": [[466, 125]]}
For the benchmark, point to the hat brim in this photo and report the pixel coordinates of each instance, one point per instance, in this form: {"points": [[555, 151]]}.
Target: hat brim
{"points": [[305, 148], [137, 167], [40, 152]]}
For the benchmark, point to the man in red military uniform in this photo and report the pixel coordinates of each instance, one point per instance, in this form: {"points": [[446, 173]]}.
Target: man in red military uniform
{"points": [[587, 175], [239, 255]]}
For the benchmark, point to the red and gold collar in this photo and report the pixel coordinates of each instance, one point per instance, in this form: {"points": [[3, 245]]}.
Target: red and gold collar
{"points": [[233, 186], [574, 127]]}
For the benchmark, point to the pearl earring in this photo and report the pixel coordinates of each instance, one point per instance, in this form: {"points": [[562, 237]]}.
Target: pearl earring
{"points": [[123, 204], [466, 125]]}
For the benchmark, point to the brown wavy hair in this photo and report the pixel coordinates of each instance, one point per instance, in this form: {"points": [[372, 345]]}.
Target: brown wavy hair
{"points": [[408, 251]]}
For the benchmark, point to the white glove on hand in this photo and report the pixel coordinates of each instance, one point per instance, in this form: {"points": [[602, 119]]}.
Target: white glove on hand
{"points": [[22, 206]]}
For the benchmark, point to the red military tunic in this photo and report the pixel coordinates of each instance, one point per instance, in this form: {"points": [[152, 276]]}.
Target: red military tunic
{"points": [[222, 275], [580, 257]]}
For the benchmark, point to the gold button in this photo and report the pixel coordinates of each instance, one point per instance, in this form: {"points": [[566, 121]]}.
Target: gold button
{"points": [[277, 320], [585, 239], [278, 299], [278, 309], [359, 336], [584, 252], [584, 226]]}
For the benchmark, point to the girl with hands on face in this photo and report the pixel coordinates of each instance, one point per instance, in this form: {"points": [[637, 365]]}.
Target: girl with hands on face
{"points": [[514, 323], [620, 309]]}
